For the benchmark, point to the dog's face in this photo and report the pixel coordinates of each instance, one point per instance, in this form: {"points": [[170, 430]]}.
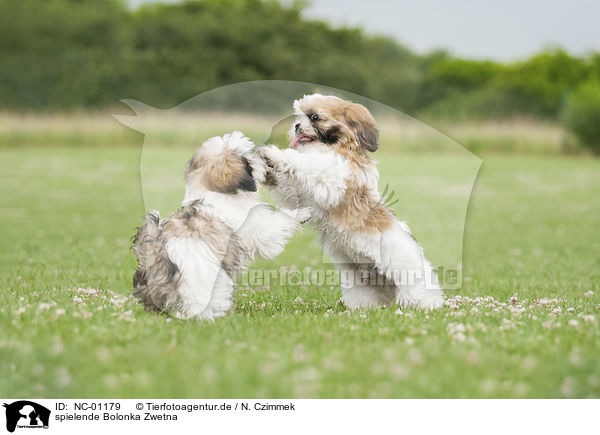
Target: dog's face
{"points": [[225, 165], [333, 122]]}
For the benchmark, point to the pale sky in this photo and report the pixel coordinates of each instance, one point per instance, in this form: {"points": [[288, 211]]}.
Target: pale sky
{"points": [[500, 29]]}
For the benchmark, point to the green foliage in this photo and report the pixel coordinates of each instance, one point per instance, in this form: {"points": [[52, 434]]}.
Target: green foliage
{"points": [[481, 89], [445, 77], [539, 84], [70, 54], [63, 54], [581, 114], [60, 54]]}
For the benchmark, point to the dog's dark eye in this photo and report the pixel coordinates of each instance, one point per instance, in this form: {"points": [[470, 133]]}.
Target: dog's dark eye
{"points": [[314, 117]]}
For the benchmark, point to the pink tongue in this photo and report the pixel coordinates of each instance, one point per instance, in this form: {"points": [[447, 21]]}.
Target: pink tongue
{"points": [[296, 141]]}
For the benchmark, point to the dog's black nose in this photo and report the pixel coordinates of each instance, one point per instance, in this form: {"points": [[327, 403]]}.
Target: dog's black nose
{"points": [[296, 127]]}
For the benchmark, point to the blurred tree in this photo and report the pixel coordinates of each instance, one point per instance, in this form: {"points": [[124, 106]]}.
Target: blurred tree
{"points": [[538, 85], [60, 53], [71, 54], [581, 114]]}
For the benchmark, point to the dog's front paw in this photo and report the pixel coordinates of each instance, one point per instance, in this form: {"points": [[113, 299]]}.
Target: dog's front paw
{"points": [[300, 215], [303, 214], [270, 154]]}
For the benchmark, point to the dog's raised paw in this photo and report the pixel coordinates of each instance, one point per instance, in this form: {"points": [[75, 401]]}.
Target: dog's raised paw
{"points": [[300, 215], [303, 214], [270, 154]]}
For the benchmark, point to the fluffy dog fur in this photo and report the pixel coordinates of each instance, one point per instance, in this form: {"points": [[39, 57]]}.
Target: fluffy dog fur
{"points": [[186, 262], [328, 167]]}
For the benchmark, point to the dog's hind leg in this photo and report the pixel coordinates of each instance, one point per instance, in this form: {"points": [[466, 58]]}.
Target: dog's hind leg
{"points": [[199, 268], [403, 262], [364, 296], [362, 285], [221, 298], [155, 279], [424, 292]]}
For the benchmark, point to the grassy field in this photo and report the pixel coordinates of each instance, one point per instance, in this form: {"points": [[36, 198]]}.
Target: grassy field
{"points": [[524, 324]]}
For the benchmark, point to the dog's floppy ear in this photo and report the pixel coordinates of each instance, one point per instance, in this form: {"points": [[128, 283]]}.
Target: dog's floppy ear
{"points": [[224, 174], [230, 174], [359, 119], [246, 181], [367, 137]]}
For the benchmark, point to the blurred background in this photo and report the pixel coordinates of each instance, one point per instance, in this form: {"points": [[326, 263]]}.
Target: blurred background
{"points": [[443, 62]]}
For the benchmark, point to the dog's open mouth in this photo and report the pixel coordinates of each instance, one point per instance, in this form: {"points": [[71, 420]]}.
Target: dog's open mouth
{"points": [[302, 139]]}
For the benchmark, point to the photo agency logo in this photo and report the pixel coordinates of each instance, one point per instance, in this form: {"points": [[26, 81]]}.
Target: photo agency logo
{"points": [[25, 414], [354, 170]]}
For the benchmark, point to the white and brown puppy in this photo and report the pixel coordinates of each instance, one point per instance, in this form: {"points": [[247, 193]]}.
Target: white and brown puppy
{"points": [[186, 262], [328, 167]]}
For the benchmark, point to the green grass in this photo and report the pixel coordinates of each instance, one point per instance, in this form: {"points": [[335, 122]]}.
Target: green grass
{"points": [[68, 213]]}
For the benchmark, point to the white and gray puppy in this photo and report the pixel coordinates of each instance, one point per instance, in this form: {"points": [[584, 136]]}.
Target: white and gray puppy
{"points": [[186, 262], [328, 167]]}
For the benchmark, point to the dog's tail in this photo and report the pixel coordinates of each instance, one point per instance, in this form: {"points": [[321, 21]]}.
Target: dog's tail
{"points": [[156, 277]]}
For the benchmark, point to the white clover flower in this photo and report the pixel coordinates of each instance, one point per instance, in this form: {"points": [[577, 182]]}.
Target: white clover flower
{"points": [[568, 387], [127, 316], [57, 346], [415, 357], [84, 314], [488, 386], [529, 363], [460, 337], [472, 358], [456, 327], [549, 324], [517, 311], [118, 300], [507, 324], [575, 357]]}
